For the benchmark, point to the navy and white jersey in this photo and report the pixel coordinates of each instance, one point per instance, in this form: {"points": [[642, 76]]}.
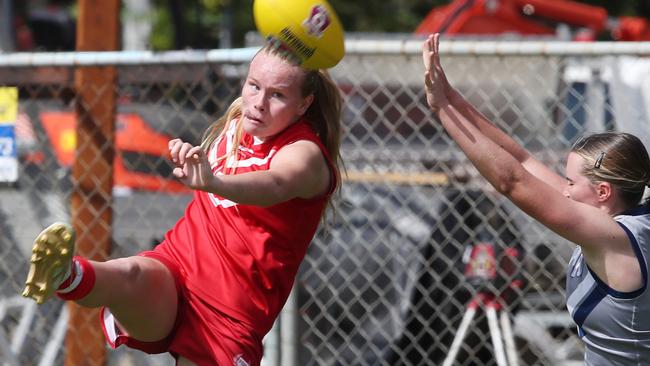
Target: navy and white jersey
{"points": [[614, 325]]}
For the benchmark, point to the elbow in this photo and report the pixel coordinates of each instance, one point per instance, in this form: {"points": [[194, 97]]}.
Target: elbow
{"points": [[276, 192]]}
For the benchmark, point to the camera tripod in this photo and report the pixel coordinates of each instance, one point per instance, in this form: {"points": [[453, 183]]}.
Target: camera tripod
{"points": [[500, 330], [483, 268]]}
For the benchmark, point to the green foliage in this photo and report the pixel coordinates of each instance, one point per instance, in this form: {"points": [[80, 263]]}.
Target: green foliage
{"points": [[162, 34], [213, 5], [401, 16], [198, 25]]}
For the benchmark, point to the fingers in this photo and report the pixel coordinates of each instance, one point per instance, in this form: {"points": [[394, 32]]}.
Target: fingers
{"points": [[181, 152], [427, 51], [174, 146], [195, 154], [435, 54], [437, 72], [178, 173], [431, 53], [435, 42]]}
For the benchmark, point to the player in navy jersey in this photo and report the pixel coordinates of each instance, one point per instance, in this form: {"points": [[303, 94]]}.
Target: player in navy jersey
{"points": [[597, 205], [211, 290]]}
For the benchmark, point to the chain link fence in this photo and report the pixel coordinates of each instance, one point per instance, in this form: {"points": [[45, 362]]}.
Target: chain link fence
{"points": [[418, 240]]}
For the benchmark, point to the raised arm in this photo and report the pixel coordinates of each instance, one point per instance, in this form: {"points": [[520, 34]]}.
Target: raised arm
{"points": [[430, 56], [492, 154]]}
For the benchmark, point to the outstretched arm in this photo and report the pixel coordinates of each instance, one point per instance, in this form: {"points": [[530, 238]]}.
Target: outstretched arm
{"points": [[498, 159], [297, 170], [431, 58]]}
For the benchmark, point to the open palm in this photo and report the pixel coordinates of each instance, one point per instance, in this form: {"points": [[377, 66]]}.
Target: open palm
{"points": [[437, 87]]}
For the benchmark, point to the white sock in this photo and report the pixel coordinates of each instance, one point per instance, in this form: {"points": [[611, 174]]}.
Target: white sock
{"points": [[77, 272]]}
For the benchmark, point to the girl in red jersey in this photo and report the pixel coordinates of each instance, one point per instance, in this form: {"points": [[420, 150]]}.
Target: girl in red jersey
{"points": [[212, 289]]}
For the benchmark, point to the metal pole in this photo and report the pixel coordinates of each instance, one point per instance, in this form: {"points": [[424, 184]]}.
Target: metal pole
{"points": [[289, 331], [272, 346], [56, 339], [495, 333], [92, 170], [509, 339], [6, 26], [462, 330]]}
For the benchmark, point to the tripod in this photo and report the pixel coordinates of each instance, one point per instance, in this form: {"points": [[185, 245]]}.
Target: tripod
{"points": [[482, 266], [500, 331]]}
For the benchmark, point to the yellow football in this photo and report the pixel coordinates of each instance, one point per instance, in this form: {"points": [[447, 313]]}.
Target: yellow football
{"points": [[309, 29]]}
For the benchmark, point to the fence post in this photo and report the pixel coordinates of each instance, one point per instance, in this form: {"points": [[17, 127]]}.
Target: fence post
{"points": [[289, 330], [92, 172]]}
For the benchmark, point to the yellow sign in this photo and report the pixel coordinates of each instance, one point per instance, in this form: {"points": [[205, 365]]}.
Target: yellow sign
{"points": [[8, 105]]}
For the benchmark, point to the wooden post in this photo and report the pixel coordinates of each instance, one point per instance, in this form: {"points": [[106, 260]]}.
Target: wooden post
{"points": [[92, 171]]}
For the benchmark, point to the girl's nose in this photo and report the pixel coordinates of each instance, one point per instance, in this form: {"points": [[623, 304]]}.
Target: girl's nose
{"points": [[259, 101]]}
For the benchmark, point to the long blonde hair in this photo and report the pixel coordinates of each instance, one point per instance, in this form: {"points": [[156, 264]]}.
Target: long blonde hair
{"points": [[324, 114]]}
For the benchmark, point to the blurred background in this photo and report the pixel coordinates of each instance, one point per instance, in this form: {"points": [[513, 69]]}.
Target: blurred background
{"points": [[418, 237], [49, 25]]}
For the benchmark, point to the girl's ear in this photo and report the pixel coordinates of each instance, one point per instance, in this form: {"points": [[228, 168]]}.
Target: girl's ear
{"points": [[306, 102], [604, 191]]}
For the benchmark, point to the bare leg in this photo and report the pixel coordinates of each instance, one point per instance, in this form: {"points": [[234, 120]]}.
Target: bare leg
{"points": [[139, 291], [141, 294]]}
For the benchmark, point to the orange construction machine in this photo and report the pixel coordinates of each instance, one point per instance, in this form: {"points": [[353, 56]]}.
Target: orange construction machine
{"points": [[540, 18]]}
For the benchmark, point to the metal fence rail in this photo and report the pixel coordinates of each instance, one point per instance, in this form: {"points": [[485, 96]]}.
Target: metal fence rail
{"points": [[386, 283]]}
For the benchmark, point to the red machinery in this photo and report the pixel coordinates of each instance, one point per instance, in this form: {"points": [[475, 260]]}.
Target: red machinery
{"points": [[531, 18]]}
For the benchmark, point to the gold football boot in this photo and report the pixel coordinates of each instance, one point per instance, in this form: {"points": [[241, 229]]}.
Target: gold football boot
{"points": [[51, 262]]}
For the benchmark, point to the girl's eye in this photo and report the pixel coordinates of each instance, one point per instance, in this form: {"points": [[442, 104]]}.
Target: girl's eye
{"points": [[277, 95]]}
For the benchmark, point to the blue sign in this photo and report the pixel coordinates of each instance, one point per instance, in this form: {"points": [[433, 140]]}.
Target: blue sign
{"points": [[7, 141], [8, 155]]}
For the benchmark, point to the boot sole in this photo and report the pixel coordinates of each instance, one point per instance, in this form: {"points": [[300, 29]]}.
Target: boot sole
{"points": [[50, 262]]}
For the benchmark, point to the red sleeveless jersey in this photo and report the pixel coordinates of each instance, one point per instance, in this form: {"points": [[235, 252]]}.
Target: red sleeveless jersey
{"points": [[243, 259]]}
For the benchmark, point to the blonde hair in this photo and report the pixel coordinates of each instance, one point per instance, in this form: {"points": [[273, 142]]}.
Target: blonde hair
{"points": [[323, 115], [218, 128], [617, 158]]}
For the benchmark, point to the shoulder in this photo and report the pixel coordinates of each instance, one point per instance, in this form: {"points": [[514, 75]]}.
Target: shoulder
{"points": [[637, 218], [300, 130], [636, 223]]}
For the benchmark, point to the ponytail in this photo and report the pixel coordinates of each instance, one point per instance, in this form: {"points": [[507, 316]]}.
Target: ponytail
{"points": [[324, 114]]}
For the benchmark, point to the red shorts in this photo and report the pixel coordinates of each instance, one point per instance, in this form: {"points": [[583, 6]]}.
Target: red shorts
{"points": [[201, 333]]}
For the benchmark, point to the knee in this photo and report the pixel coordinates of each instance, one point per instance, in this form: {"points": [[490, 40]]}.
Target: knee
{"points": [[140, 275], [133, 271], [129, 268]]}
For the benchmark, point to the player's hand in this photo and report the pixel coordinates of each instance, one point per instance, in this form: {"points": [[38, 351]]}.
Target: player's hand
{"points": [[437, 87], [191, 165]]}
